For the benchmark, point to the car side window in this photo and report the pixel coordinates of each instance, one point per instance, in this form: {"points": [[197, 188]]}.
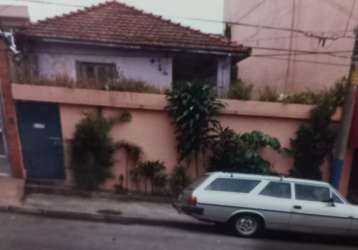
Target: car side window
{"points": [[312, 193], [277, 190], [232, 185]]}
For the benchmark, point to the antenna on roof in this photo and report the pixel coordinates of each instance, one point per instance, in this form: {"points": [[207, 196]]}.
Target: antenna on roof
{"points": [[281, 178]]}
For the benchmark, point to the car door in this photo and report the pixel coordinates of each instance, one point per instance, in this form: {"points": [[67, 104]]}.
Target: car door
{"points": [[274, 201], [353, 229], [312, 213]]}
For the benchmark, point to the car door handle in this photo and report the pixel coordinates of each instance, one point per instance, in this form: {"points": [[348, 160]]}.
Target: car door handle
{"points": [[297, 207]]}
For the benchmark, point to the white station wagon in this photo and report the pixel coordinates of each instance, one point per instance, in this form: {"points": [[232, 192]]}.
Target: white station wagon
{"points": [[251, 203]]}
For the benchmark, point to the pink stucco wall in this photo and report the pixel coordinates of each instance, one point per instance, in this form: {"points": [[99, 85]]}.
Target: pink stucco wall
{"points": [[150, 126]]}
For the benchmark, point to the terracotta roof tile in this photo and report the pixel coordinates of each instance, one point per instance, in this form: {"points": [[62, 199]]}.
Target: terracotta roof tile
{"points": [[114, 22]]}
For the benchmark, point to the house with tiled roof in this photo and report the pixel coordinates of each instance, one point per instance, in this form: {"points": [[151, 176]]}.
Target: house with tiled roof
{"points": [[110, 46], [113, 39]]}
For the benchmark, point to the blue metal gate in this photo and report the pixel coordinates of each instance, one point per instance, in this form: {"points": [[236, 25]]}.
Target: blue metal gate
{"points": [[41, 139]]}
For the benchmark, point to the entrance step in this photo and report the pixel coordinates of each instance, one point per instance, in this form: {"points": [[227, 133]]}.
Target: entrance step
{"points": [[51, 187]]}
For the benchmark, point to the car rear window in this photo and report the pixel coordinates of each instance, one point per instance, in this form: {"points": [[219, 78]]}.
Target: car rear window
{"points": [[277, 190], [232, 185]]}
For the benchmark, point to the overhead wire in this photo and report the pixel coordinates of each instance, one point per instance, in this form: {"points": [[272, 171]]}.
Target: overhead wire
{"points": [[307, 61], [301, 32], [318, 35]]}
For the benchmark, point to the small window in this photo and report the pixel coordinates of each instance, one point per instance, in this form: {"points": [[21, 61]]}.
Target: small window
{"points": [[96, 72], [232, 185], [312, 193], [336, 199], [277, 190]]}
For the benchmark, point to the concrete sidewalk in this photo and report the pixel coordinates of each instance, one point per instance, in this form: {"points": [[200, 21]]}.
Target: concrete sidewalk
{"points": [[99, 209]]}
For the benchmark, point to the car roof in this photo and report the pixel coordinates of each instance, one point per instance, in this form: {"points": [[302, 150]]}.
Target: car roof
{"points": [[267, 177]]}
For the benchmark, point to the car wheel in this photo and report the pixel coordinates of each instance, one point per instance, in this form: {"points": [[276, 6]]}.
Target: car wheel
{"points": [[247, 225]]}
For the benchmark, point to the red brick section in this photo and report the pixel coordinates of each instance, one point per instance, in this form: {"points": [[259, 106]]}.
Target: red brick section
{"points": [[10, 121], [114, 22]]}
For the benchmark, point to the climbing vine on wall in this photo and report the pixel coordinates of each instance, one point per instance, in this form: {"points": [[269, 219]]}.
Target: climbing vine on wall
{"points": [[315, 141]]}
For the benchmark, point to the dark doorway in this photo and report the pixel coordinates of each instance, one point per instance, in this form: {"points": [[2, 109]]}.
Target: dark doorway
{"points": [[195, 68], [41, 139]]}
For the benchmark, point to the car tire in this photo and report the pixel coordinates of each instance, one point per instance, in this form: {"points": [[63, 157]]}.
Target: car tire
{"points": [[247, 225]]}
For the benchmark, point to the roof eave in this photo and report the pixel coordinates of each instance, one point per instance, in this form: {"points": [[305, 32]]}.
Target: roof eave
{"points": [[236, 54]]}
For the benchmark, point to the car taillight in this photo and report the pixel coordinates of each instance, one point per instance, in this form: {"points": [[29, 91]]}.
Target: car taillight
{"points": [[192, 201]]}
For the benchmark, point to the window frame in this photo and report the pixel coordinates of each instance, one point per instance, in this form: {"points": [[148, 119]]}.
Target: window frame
{"points": [[276, 181], [82, 75], [311, 185], [206, 188], [336, 193]]}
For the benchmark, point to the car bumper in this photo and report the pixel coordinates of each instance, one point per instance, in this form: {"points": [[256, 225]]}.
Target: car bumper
{"points": [[190, 210]]}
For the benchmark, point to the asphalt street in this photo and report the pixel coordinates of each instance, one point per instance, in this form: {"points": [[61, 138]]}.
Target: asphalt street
{"points": [[18, 232]]}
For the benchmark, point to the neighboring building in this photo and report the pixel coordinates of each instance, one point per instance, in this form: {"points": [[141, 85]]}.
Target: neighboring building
{"points": [[13, 17], [296, 71], [98, 44]]}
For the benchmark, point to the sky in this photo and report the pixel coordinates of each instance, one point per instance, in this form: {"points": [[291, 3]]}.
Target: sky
{"points": [[176, 10]]}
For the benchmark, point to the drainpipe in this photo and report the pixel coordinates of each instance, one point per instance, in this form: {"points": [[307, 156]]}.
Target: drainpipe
{"points": [[8, 107]]}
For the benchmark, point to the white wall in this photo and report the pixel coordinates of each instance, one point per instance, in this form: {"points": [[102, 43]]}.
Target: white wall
{"points": [[153, 68], [329, 17]]}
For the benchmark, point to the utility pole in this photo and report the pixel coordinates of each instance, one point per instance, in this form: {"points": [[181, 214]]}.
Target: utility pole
{"points": [[340, 150]]}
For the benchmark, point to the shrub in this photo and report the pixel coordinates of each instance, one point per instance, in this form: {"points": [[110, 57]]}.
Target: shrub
{"points": [[61, 80], [153, 173], [130, 85], [268, 94], [314, 142], [92, 150], [178, 180], [119, 84], [232, 152], [193, 108], [306, 97], [335, 93], [133, 151], [240, 90]]}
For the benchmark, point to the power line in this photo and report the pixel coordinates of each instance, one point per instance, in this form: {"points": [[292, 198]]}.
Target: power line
{"points": [[306, 61], [300, 54], [302, 51], [320, 37]]}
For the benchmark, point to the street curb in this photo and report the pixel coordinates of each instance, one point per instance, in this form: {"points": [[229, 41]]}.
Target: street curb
{"points": [[70, 215]]}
